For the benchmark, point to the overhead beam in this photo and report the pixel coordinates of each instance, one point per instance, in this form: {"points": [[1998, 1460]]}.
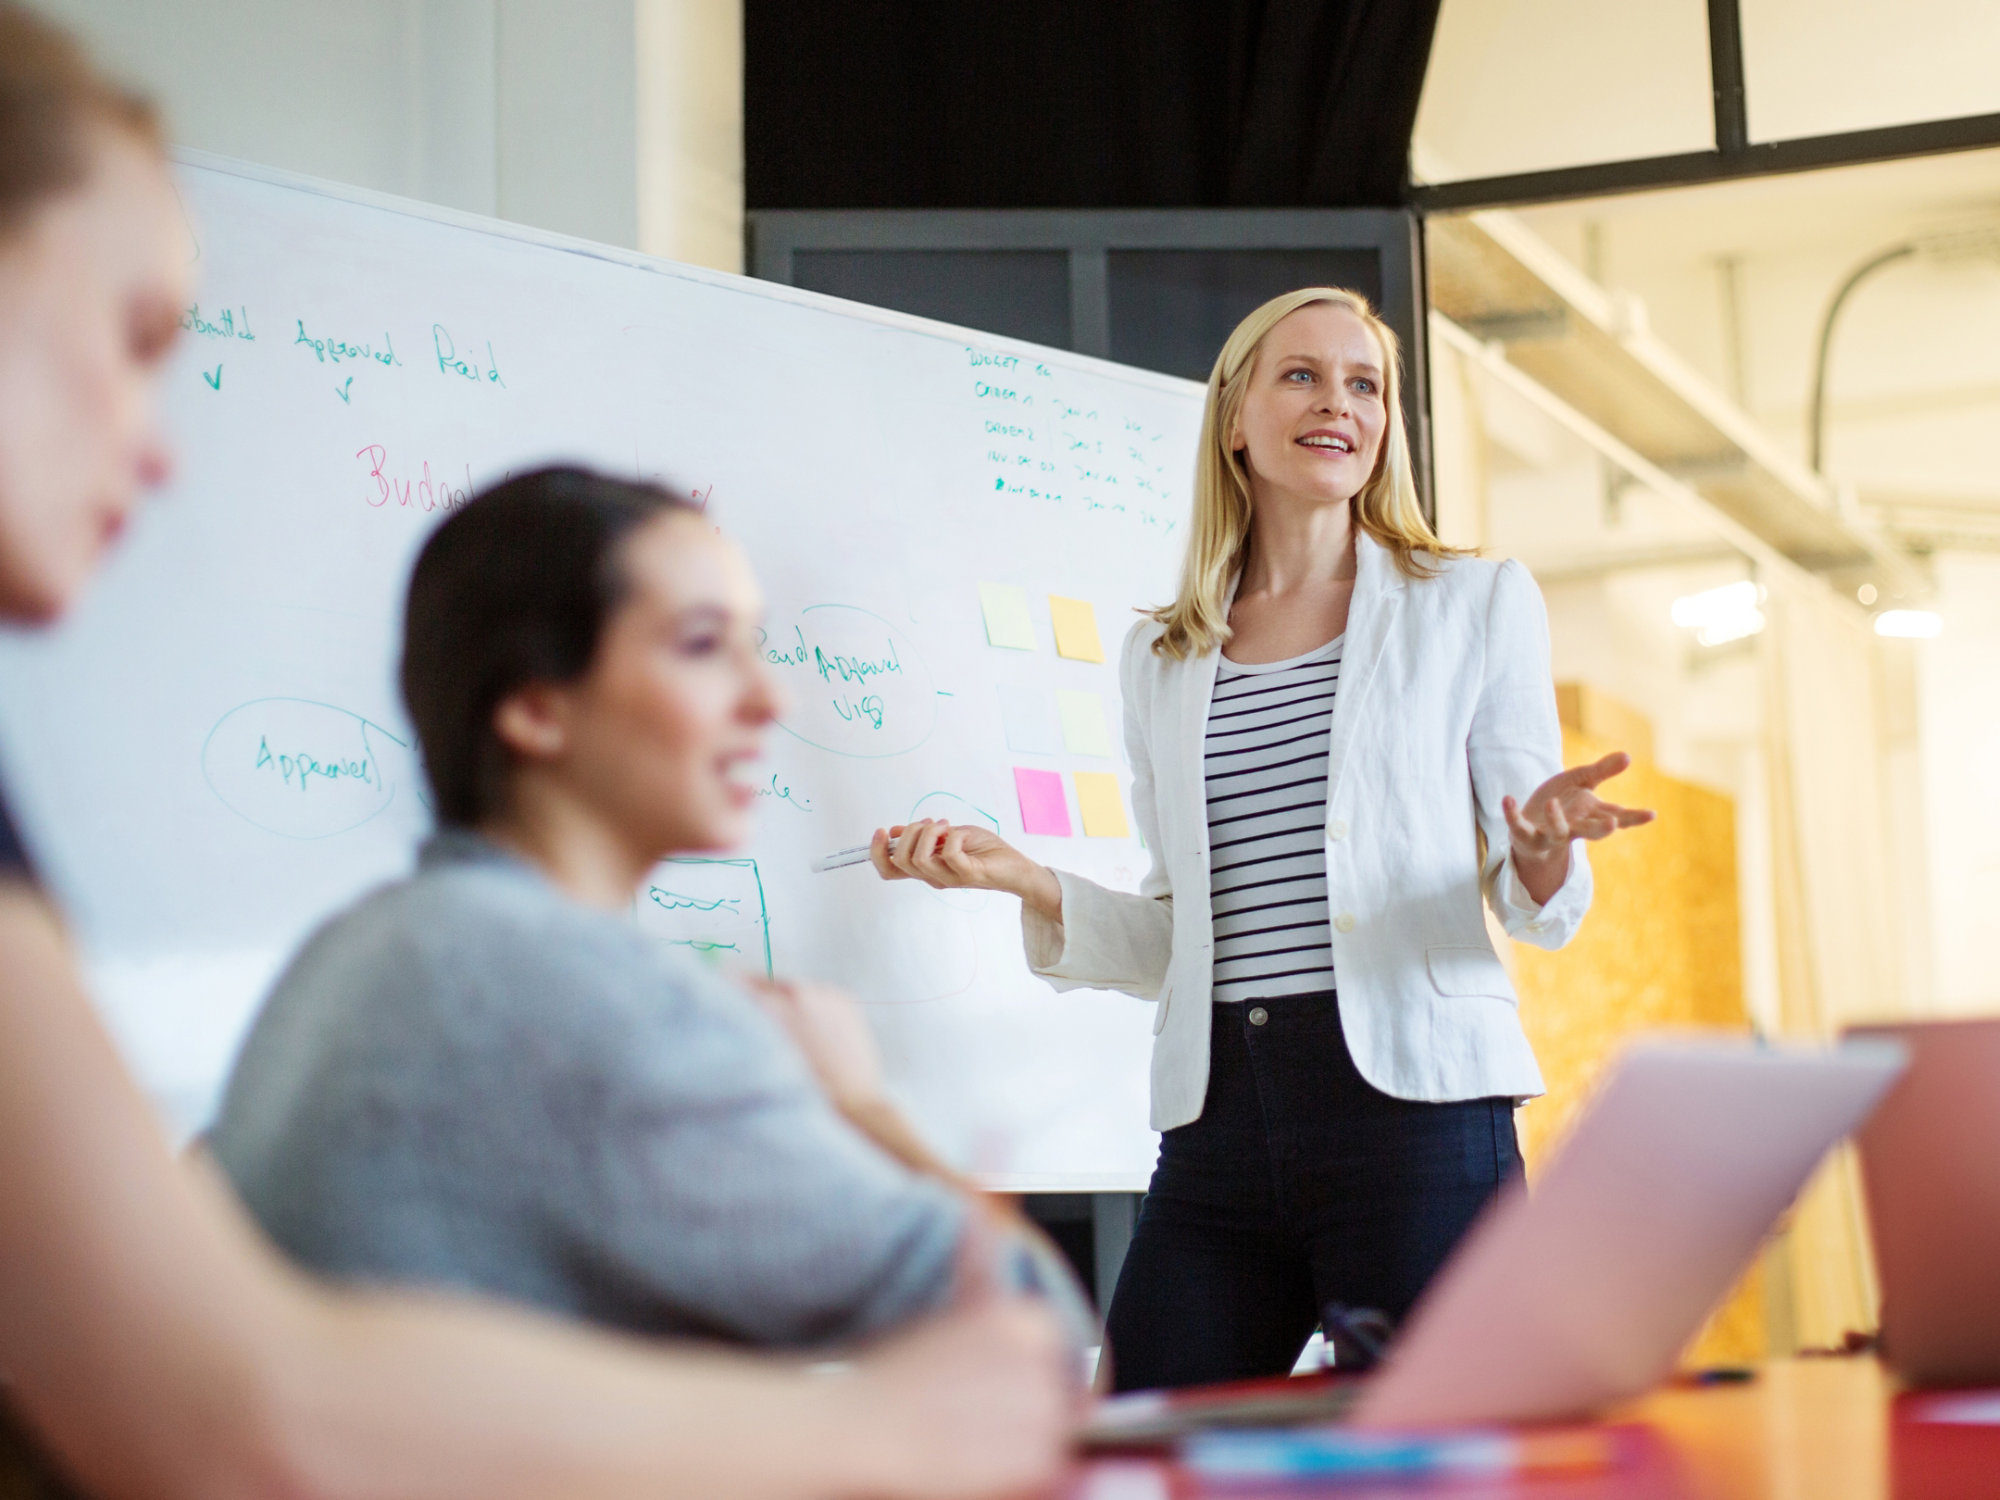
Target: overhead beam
{"points": [[1730, 531], [1753, 159]]}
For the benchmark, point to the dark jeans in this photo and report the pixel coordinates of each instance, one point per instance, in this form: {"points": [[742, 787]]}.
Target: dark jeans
{"points": [[1301, 1184]]}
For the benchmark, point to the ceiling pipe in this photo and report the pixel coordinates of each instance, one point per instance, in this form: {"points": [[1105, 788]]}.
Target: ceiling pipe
{"points": [[1979, 242]]}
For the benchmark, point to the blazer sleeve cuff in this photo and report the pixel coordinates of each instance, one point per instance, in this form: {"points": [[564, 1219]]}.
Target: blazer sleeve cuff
{"points": [[1105, 940], [1046, 939], [1551, 923]]}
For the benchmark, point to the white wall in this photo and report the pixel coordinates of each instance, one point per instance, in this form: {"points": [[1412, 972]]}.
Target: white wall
{"points": [[1520, 85], [615, 120], [1813, 67], [1958, 708]]}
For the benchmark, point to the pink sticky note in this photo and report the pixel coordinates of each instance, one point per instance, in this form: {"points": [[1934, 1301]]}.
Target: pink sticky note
{"points": [[1042, 807]]}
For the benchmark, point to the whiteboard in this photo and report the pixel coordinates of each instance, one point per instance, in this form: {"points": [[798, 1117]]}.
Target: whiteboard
{"points": [[210, 756]]}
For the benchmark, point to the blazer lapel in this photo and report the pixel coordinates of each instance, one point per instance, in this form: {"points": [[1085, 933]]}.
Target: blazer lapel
{"points": [[1197, 686], [1378, 595]]}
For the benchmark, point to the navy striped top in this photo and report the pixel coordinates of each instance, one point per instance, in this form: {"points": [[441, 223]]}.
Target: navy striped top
{"points": [[1269, 728]]}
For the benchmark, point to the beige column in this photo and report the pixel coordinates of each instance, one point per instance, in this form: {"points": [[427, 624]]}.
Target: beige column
{"points": [[690, 61]]}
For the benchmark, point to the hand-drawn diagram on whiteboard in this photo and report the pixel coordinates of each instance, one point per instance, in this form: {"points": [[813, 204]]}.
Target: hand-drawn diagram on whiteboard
{"points": [[302, 769], [935, 951], [711, 907], [956, 809], [857, 684]]}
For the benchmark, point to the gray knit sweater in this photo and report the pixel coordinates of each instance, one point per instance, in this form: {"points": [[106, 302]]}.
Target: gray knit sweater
{"points": [[470, 1080]]}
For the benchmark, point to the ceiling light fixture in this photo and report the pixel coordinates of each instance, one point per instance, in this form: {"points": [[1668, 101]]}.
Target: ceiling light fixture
{"points": [[1909, 624], [1721, 615]]}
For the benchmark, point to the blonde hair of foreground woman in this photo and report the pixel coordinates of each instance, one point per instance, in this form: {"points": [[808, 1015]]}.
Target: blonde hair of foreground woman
{"points": [[1386, 507], [150, 1338]]}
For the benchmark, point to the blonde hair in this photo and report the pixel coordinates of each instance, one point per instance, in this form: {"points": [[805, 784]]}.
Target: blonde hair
{"points": [[1386, 507]]}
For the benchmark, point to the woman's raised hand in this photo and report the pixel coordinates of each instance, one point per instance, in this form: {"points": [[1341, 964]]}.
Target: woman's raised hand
{"points": [[1565, 807], [963, 856], [827, 1026]]}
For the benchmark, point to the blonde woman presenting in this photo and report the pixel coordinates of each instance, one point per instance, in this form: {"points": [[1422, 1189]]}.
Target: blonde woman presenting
{"points": [[1343, 735]]}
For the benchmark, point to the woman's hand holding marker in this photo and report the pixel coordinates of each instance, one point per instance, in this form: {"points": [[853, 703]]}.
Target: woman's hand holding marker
{"points": [[1565, 807], [965, 856]]}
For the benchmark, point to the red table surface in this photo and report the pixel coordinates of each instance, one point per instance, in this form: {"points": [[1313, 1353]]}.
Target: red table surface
{"points": [[1824, 1429]]}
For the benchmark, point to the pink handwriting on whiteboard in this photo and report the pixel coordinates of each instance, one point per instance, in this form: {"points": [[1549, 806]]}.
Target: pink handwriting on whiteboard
{"points": [[411, 491]]}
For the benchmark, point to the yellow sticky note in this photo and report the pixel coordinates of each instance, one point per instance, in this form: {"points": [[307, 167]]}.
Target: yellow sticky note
{"points": [[1083, 729], [1102, 808], [1008, 624], [1076, 629]]}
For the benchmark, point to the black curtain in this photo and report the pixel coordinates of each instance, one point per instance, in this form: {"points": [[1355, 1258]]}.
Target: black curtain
{"points": [[1081, 103]]}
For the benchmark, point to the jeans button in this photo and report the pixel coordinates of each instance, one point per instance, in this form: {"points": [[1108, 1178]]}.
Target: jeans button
{"points": [[1259, 1015]]}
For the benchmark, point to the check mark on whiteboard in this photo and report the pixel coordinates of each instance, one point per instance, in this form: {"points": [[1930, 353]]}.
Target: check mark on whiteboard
{"points": [[344, 387], [215, 380]]}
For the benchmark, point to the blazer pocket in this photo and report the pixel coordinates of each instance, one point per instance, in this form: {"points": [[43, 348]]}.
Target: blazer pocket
{"points": [[1160, 1008], [1468, 971]]}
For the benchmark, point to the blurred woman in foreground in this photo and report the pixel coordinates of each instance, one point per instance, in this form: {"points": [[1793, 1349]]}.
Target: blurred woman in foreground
{"points": [[150, 1340], [486, 1076]]}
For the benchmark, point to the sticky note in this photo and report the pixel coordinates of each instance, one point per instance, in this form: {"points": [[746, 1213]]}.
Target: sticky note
{"points": [[1029, 721], [1043, 809], [1008, 623], [1102, 808], [1076, 629], [1083, 729]]}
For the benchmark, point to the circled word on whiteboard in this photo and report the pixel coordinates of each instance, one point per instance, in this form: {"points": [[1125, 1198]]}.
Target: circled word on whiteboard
{"points": [[298, 768], [856, 684]]}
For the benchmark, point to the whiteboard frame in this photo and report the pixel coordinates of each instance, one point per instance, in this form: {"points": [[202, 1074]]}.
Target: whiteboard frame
{"points": [[659, 265]]}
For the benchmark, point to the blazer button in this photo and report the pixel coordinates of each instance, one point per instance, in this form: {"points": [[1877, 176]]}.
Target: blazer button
{"points": [[1337, 829], [1259, 1015], [1344, 922]]}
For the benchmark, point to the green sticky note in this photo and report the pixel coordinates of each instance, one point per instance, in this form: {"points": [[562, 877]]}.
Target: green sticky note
{"points": [[1083, 728], [1008, 623]]}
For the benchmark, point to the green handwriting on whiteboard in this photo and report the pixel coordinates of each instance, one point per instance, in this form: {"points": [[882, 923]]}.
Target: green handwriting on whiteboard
{"points": [[452, 360], [709, 906], [230, 323], [299, 768], [341, 351], [857, 685]]}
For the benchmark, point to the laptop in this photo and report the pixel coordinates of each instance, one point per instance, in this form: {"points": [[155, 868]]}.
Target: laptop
{"points": [[1930, 1168], [1583, 1292]]}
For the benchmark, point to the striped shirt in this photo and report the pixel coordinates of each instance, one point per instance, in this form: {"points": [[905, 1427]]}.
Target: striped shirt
{"points": [[1269, 728]]}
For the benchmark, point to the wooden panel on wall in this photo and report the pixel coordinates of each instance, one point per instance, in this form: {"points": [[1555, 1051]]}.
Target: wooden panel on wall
{"points": [[1661, 949]]}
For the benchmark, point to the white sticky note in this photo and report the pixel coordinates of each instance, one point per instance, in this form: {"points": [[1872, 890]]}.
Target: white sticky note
{"points": [[1008, 623], [1028, 718], [1083, 728]]}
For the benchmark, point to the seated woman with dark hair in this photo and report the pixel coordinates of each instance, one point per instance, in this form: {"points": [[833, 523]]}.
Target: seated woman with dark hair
{"points": [[485, 1076], [153, 1346]]}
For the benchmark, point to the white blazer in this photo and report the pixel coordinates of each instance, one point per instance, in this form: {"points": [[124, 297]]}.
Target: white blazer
{"points": [[1445, 705]]}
